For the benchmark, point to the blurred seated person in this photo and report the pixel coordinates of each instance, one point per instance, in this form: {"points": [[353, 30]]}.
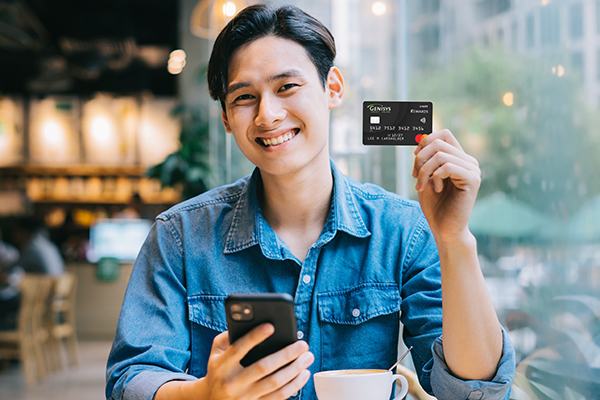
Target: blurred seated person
{"points": [[38, 254], [10, 276]]}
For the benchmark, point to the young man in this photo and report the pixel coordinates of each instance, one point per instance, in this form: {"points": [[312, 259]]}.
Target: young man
{"points": [[356, 259]]}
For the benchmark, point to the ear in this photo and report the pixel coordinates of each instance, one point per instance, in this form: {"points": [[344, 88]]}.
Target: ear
{"points": [[335, 87], [225, 122]]}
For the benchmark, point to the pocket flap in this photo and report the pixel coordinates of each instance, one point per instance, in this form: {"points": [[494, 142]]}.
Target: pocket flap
{"points": [[358, 304], [208, 311]]}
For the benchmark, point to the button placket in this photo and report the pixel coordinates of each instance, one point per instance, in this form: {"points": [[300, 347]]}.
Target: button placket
{"points": [[304, 291]]}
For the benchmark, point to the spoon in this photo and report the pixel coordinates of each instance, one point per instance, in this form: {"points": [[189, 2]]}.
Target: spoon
{"points": [[401, 358]]}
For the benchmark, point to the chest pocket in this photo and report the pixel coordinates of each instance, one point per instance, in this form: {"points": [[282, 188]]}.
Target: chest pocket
{"points": [[360, 326], [207, 319]]}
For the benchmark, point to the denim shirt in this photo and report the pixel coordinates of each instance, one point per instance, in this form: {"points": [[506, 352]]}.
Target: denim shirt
{"points": [[374, 265]]}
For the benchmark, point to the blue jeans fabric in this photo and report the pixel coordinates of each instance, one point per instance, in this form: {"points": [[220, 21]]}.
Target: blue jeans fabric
{"points": [[374, 265]]}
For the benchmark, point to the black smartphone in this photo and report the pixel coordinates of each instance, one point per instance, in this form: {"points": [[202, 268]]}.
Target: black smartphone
{"points": [[246, 311]]}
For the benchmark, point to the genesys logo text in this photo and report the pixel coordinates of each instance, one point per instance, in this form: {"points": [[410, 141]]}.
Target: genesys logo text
{"points": [[378, 108]]}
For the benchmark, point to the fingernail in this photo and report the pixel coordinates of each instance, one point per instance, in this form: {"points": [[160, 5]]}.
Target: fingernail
{"points": [[268, 328], [308, 358]]}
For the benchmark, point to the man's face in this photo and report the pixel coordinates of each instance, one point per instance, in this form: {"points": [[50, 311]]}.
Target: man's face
{"points": [[276, 106]]}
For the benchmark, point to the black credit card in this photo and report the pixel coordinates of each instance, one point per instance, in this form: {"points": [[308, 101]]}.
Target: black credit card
{"points": [[396, 122]]}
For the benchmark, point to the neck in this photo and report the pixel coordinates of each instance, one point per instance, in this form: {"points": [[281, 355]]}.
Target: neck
{"points": [[296, 206]]}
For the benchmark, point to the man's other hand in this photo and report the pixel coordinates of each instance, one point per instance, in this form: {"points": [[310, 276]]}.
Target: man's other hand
{"points": [[448, 180]]}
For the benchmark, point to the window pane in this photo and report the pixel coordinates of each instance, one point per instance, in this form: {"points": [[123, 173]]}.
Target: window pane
{"points": [[549, 25], [576, 21], [530, 31]]}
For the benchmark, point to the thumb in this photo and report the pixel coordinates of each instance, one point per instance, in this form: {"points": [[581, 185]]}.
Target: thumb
{"points": [[220, 343]]}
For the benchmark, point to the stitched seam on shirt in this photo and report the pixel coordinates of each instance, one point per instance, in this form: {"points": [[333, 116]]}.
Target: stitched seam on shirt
{"points": [[372, 196], [353, 209], [355, 321], [226, 200], [242, 246], [419, 230], [358, 287], [170, 226]]}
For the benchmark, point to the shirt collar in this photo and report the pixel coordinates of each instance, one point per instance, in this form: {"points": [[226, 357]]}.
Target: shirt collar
{"points": [[248, 226]]}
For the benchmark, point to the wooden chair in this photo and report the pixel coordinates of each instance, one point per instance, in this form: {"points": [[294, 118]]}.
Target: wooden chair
{"points": [[39, 327], [62, 320], [21, 343]]}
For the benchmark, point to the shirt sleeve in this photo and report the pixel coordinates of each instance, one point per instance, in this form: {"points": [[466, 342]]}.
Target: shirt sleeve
{"points": [[422, 318], [152, 340], [446, 386]]}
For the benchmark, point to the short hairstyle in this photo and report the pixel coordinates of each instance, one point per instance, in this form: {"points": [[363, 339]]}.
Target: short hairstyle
{"points": [[257, 21]]}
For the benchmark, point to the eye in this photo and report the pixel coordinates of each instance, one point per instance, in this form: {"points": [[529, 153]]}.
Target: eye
{"points": [[244, 97], [287, 86]]}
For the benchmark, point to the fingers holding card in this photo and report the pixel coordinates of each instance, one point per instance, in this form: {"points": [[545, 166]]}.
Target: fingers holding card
{"points": [[448, 180]]}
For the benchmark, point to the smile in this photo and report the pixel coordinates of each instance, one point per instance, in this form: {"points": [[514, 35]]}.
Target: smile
{"points": [[276, 141]]}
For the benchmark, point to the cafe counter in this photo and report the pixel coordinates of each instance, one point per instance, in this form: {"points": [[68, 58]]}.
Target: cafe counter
{"points": [[98, 302]]}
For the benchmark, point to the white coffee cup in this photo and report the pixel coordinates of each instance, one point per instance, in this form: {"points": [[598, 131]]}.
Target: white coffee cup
{"points": [[358, 384]]}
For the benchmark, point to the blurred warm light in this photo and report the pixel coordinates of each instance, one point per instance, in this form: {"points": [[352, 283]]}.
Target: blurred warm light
{"points": [[229, 9], [545, 2], [379, 8], [175, 68], [11, 111], [210, 16], [108, 127], [508, 99], [52, 133], [558, 71], [178, 54], [102, 129], [177, 61], [158, 131]]}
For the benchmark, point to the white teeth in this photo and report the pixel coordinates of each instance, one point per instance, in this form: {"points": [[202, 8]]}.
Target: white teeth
{"points": [[278, 140]]}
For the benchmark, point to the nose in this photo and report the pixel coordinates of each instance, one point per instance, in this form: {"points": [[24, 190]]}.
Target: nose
{"points": [[270, 112]]}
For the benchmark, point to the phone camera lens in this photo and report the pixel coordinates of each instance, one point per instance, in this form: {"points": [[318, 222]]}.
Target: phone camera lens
{"points": [[236, 307]]}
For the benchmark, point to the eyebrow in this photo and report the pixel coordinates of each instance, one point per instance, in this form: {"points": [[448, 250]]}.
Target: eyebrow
{"points": [[285, 74]]}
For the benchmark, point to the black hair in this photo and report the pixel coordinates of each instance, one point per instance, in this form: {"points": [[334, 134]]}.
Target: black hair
{"points": [[257, 21]]}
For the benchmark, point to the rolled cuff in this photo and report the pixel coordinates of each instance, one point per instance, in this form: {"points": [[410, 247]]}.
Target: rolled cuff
{"points": [[447, 386], [144, 385]]}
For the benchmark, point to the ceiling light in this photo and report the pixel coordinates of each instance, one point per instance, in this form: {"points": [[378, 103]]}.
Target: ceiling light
{"points": [[210, 16], [379, 8]]}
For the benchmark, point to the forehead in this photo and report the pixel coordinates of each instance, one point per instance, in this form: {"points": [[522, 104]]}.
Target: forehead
{"points": [[266, 57]]}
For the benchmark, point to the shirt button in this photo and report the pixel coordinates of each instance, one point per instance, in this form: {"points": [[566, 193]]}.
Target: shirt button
{"points": [[356, 312], [300, 335], [306, 278]]}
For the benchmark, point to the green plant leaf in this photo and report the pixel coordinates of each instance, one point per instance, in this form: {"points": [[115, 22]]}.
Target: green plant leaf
{"points": [[521, 388], [587, 348], [551, 375], [532, 390]]}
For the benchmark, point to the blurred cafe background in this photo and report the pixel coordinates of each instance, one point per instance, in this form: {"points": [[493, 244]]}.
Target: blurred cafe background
{"points": [[105, 121]]}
